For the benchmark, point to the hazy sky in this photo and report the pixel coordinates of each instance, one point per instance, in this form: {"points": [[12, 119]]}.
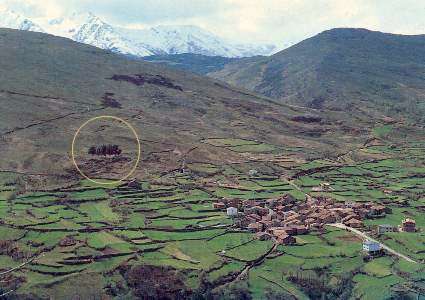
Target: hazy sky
{"points": [[274, 21]]}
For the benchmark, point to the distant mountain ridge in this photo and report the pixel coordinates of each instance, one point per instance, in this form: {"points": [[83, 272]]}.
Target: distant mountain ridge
{"points": [[166, 39], [49, 86], [341, 69], [10, 19], [196, 63]]}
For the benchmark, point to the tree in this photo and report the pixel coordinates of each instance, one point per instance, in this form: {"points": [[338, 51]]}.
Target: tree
{"points": [[92, 150], [270, 294], [235, 291], [105, 150]]}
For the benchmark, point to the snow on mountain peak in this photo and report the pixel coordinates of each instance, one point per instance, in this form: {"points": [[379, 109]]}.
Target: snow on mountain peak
{"points": [[10, 19], [86, 27]]}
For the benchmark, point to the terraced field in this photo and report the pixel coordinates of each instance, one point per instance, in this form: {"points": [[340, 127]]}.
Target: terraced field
{"points": [[159, 237], [83, 231]]}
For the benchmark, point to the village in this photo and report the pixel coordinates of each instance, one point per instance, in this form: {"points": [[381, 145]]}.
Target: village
{"points": [[281, 219]]}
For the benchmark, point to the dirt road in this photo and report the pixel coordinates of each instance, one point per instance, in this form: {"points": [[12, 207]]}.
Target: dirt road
{"points": [[358, 232], [365, 236]]}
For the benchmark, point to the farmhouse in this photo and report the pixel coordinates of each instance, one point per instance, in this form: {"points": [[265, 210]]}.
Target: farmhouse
{"points": [[371, 247], [255, 227], [354, 223], [285, 239], [383, 228], [301, 229], [377, 211], [408, 225]]}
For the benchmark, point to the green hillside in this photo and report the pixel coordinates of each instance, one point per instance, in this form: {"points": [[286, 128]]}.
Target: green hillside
{"points": [[196, 63], [49, 86], [342, 69], [158, 235]]}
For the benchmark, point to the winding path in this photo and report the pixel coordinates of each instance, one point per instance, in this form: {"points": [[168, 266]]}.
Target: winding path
{"points": [[244, 273], [365, 236], [22, 265]]}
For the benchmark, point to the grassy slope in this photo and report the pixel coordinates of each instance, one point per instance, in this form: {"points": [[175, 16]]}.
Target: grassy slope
{"points": [[349, 69], [196, 63], [49, 86], [170, 220]]}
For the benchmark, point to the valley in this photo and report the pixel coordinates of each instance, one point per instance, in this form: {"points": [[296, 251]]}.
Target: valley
{"points": [[170, 222], [159, 233]]}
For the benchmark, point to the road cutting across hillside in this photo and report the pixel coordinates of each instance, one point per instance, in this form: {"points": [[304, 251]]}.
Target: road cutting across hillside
{"points": [[365, 236]]}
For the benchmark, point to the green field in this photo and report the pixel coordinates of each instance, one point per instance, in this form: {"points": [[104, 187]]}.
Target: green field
{"points": [[175, 226]]}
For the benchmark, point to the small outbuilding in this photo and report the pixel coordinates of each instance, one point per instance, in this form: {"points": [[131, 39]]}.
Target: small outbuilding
{"points": [[219, 205], [232, 211]]}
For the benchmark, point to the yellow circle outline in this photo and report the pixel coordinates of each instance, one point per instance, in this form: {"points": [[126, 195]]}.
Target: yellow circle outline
{"points": [[138, 150]]}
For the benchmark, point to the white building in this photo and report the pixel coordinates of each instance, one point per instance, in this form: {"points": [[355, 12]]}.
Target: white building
{"points": [[232, 211], [383, 228], [371, 246]]}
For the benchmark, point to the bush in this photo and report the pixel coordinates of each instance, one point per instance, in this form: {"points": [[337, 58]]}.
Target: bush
{"points": [[154, 282], [11, 196]]}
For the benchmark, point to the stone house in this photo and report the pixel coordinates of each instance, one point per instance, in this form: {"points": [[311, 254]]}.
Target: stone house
{"points": [[285, 239], [276, 231], [249, 203], [234, 202], [255, 227], [276, 223], [327, 218], [354, 223], [301, 229], [255, 217], [408, 225], [291, 230], [288, 199], [272, 203], [377, 210], [383, 228]]}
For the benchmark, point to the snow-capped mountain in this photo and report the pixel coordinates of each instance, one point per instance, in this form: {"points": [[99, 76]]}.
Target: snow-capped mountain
{"points": [[189, 39], [89, 29], [10, 19]]}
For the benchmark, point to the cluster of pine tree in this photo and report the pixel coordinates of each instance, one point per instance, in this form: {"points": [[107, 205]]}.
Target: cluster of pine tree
{"points": [[105, 150]]}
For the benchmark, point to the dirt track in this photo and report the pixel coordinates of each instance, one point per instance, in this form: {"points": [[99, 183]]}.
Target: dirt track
{"points": [[365, 236]]}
